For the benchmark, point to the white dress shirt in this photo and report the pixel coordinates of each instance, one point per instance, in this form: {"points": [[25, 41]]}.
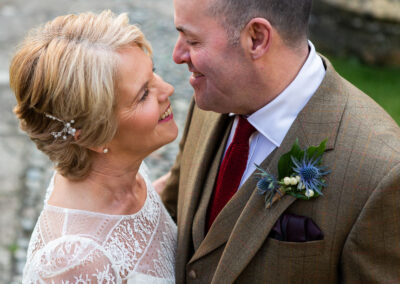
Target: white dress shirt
{"points": [[274, 120]]}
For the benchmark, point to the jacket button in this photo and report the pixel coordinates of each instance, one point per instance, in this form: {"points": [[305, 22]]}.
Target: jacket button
{"points": [[192, 274]]}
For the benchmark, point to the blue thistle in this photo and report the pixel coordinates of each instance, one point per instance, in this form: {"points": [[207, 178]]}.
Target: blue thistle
{"points": [[263, 185], [267, 185], [310, 173]]}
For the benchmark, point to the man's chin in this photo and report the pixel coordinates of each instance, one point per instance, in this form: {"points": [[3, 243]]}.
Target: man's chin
{"points": [[208, 105], [202, 103]]}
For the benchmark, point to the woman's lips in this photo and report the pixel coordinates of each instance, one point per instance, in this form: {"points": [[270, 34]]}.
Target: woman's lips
{"points": [[167, 115]]}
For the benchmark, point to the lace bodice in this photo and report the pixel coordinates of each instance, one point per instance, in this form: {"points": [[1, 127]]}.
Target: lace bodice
{"points": [[74, 246]]}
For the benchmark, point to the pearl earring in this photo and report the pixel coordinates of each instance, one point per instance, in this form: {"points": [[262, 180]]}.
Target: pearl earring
{"points": [[105, 150]]}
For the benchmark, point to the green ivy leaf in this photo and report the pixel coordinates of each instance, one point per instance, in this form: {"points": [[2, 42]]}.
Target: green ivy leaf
{"points": [[315, 152], [285, 163], [297, 195]]}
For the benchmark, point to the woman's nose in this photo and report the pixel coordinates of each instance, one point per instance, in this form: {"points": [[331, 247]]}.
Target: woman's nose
{"points": [[167, 89], [170, 89]]}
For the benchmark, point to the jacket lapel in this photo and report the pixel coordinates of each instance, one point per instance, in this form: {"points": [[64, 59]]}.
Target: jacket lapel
{"points": [[211, 131], [199, 220], [319, 120]]}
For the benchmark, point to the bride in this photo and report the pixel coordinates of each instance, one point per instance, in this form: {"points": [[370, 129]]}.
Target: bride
{"points": [[87, 95]]}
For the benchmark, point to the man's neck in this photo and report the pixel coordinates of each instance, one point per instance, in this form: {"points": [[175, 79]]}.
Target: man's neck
{"points": [[286, 64]]}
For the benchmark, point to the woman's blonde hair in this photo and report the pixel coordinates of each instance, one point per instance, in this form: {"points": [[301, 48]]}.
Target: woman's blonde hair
{"points": [[68, 69]]}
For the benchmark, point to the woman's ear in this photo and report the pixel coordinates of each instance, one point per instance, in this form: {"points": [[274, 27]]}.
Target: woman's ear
{"points": [[258, 35], [77, 134], [100, 150]]}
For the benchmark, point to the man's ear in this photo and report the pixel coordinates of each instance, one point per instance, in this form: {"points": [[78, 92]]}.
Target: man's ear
{"points": [[258, 35]]}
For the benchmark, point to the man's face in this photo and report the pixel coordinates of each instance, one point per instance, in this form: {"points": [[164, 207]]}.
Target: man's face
{"points": [[220, 71]]}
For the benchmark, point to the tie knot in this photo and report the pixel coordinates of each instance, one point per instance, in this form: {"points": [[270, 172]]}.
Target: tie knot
{"points": [[243, 131]]}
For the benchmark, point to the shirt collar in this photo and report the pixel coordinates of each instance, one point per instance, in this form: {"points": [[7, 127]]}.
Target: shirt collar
{"points": [[275, 119]]}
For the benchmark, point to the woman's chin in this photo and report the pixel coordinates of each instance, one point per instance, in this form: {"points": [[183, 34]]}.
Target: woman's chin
{"points": [[172, 133], [167, 137], [132, 151]]}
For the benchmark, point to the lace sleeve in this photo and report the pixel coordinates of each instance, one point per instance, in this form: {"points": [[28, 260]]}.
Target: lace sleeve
{"points": [[70, 259]]}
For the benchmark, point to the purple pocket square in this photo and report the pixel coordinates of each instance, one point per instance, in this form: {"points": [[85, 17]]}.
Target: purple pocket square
{"points": [[295, 228]]}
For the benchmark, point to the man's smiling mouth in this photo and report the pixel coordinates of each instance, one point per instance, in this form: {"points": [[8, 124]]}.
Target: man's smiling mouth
{"points": [[197, 75]]}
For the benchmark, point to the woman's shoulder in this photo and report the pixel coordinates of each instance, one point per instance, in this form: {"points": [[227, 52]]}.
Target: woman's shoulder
{"points": [[67, 258], [55, 222]]}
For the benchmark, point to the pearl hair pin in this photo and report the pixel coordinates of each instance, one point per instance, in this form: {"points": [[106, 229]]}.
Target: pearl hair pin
{"points": [[67, 130]]}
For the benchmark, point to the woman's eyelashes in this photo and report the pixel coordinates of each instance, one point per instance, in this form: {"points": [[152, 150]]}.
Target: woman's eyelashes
{"points": [[145, 94], [146, 90]]}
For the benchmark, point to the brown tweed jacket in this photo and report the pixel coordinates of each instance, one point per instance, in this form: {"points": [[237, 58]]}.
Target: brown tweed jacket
{"points": [[359, 212]]}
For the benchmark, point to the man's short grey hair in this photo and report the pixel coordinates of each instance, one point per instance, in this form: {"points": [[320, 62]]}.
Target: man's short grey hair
{"points": [[289, 17]]}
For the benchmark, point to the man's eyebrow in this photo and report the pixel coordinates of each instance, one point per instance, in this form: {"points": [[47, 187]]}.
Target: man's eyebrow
{"points": [[184, 30]]}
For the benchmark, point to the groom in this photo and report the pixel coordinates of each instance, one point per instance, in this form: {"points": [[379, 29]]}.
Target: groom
{"points": [[260, 84]]}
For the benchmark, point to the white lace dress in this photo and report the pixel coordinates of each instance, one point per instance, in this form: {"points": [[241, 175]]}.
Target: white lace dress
{"points": [[74, 246]]}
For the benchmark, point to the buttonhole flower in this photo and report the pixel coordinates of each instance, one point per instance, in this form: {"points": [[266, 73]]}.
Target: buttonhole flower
{"points": [[310, 173], [300, 175], [267, 185]]}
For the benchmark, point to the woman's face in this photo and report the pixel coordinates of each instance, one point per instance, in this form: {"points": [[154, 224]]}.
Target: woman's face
{"points": [[145, 119]]}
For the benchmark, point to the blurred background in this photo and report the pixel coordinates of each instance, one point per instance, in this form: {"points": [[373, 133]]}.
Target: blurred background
{"points": [[360, 37]]}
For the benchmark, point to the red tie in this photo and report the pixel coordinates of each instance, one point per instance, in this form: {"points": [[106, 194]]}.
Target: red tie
{"points": [[231, 170]]}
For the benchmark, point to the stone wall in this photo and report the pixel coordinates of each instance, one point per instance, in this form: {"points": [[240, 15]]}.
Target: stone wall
{"points": [[367, 29], [379, 9]]}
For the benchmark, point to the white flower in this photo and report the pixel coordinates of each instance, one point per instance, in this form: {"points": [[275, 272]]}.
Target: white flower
{"points": [[309, 193], [298, 178], [287, 180], [293, 181]]}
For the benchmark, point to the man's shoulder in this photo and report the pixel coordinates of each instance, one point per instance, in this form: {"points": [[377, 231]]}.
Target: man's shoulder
{"points": [[370, 121], [367, 139], [361, 113]]}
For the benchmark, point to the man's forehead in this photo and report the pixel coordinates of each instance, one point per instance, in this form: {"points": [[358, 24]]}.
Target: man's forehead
{"points": [[189, 15], [191, 7], [199, 3]]}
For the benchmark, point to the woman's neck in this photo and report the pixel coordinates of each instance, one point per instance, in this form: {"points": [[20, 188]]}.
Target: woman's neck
{"points": [[109, 188]]}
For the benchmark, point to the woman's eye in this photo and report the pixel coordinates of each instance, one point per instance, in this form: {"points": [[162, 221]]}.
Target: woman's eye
{"points": [[145, 94]]}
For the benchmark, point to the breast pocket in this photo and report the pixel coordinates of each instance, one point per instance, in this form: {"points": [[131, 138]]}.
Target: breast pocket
{"points": [[295, 249], [297, 262], [289, 262]]}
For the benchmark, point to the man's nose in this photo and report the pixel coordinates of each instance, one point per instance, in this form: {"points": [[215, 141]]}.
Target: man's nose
{"points": [[181, 53]]}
